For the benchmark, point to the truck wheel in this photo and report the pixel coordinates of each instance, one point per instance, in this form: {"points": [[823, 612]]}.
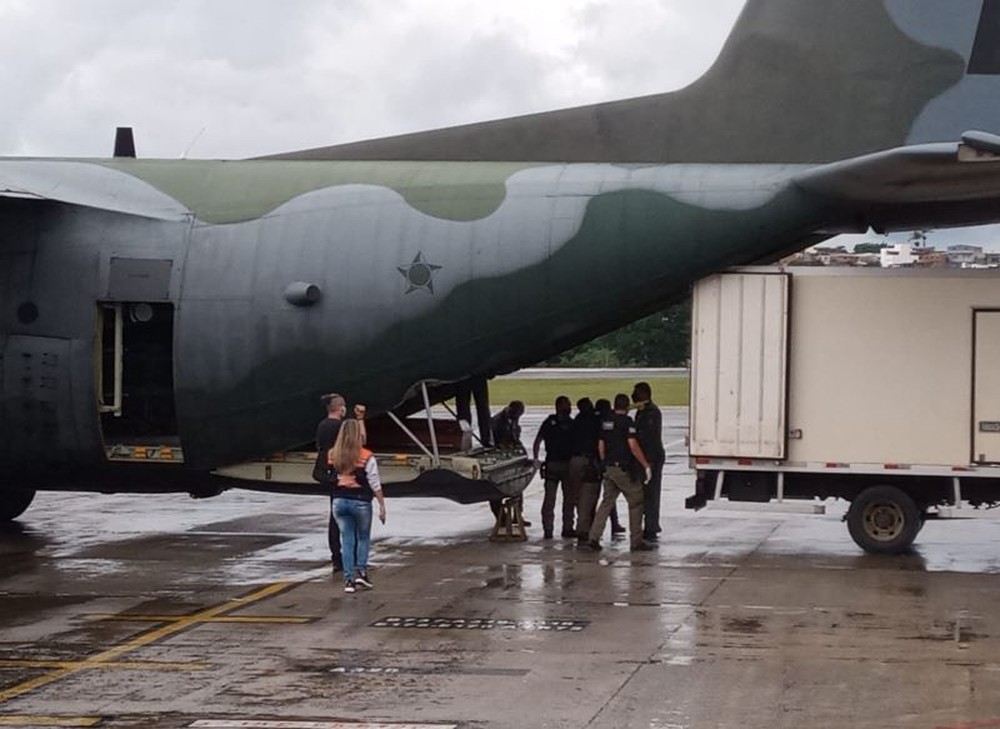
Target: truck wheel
{"points": [[883, 520], [14, 502]]}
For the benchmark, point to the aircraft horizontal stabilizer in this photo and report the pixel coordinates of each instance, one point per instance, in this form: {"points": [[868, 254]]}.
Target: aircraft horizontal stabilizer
{"points": [[955, 183], [19, 194]]}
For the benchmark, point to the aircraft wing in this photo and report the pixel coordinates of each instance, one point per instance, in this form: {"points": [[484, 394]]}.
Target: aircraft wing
{"points": [[19, 195], [931, 185], [88, 184]]}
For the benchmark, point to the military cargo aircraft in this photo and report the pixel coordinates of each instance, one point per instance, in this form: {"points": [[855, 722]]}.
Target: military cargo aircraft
{"points": [[164, 321]]}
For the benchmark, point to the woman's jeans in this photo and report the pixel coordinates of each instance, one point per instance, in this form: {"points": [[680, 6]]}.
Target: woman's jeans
{"points": [[355, 521]]}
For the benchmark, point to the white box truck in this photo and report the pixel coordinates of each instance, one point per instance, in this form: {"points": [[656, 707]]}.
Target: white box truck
{"points": [[877, 386]]}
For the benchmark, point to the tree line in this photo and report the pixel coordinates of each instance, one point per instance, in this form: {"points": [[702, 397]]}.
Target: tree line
{"points": [[659, 340]]}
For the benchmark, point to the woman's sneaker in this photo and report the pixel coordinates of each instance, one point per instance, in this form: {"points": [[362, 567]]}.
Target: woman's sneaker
{"points": [[362, 579], [349, 587]]}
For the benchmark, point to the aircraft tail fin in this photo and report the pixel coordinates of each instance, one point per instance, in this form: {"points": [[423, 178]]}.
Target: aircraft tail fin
{"points": [[798, 81]]}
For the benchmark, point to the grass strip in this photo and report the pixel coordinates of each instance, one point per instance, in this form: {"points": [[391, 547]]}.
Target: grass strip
{"points": [[667, 391]]}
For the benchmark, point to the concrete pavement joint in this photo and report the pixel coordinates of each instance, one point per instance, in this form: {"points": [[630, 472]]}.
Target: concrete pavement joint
{"points": [[674, 630]]}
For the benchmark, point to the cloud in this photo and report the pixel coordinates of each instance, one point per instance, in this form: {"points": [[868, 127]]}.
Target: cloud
{"points": [[259, 76], [240, 78], [637, 47]]}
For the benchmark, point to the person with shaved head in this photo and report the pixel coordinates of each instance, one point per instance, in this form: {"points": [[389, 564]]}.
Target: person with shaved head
{"points": [[326, 436]]}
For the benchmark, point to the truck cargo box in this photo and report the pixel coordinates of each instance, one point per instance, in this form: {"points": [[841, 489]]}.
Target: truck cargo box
{"points": [[871, 366], [811, 382]]}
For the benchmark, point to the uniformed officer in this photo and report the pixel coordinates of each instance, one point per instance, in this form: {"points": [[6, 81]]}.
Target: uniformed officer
{"points": [[603, 409], [621, 454], [584, 472], [557, 433], [649, 429]]}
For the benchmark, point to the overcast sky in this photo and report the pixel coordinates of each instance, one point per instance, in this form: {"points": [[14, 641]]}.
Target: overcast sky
{"points": [[240, 78], [261, 76]]}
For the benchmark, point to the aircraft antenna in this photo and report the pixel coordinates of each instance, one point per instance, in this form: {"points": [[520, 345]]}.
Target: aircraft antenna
{"points": [[124, 142], [193, 142]]}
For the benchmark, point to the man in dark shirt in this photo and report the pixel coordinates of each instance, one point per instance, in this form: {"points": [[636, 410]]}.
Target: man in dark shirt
{"points": [[506, 428], [584, 473], [326, 435], [620, 452], [649, 430], [557, 432]]}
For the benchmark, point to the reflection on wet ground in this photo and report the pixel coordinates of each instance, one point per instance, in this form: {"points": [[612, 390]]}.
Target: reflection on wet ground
{"points": [[163, 611]]}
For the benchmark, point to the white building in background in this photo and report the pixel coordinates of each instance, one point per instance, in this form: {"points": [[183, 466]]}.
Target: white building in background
{"points": [[901, 254], [963, 256]]}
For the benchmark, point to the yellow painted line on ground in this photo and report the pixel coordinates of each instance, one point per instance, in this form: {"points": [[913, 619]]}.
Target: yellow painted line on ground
{"points": [[36, 683], [127, 618], [49, 720], [177, 625], [295, 724], [122, 665]]}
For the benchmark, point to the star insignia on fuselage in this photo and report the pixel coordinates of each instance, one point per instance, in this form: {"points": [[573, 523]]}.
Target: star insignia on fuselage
{"points": [[419, 274]]}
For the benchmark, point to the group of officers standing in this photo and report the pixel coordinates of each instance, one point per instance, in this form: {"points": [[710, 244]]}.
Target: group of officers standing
{"points": [[602, 444]]}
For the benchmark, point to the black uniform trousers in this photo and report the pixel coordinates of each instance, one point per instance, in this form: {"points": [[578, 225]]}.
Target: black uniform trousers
{"points": [[557, 474], [651, 500]]}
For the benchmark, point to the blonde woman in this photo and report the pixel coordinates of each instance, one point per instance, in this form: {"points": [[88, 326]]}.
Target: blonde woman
{"points": [[356, 483]]}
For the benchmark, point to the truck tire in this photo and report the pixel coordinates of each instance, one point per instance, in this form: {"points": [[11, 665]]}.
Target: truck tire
{"points": [[883, 520], [14, 502]]}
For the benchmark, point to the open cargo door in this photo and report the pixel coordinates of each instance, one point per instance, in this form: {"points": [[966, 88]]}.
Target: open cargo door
{"points": [[739, 358]]}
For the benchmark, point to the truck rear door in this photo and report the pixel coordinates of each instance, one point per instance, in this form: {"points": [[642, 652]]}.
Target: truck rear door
{"points": [[986, 388], [739, 355]]}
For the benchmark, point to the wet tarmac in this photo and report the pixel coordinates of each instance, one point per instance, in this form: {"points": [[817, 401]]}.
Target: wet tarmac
{"points": [[129, 611]]}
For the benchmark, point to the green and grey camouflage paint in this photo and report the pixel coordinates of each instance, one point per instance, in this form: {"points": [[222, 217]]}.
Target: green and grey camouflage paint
{"points": [[441, 270]]}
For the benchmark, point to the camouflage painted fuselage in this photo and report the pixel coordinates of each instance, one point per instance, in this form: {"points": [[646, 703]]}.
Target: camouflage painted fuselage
{"points": [[819, 117], [427, 271]]}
